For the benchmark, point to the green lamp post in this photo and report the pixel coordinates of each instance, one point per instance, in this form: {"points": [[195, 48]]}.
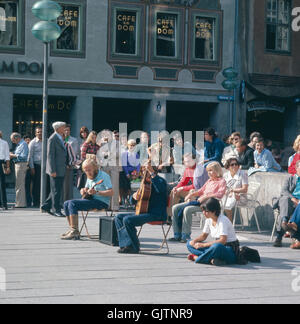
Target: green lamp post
{"points": [[46, 31], [230, 83]]}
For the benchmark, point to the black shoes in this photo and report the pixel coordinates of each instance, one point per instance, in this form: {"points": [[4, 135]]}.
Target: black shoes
{"points": [[59, 214], [47, 211], [127, 250], [277, 243]]}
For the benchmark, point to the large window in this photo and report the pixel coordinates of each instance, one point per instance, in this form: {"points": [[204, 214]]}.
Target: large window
{"points": [[11, 26], [278, 25], [126, 32], [166, 34], [205, 38], [72, 22], [126, 41]]}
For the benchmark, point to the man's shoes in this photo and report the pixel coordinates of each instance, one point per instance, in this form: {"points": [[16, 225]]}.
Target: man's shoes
{"points": [[218, 262], [71, 235], [127, 250], [46, 211], [296, 245], [175, 239], [59, 214], [277, 243]]}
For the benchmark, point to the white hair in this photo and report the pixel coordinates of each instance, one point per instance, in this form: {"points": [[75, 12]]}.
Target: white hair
{"points": [[58, 125]]}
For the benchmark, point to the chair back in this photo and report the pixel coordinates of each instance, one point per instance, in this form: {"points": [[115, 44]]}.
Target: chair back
{"points": [[253, 191]]}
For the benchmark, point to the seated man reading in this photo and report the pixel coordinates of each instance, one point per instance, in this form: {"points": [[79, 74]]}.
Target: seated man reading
{"points": [[157, 211], [96, 195]]}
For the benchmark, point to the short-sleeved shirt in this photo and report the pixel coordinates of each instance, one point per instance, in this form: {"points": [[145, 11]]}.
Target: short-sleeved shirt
{"points": [[237, 181], [223, 228], [105, 185]]}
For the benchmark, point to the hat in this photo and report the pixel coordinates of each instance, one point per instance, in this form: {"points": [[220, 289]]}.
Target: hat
{"points": [[58, 125]]}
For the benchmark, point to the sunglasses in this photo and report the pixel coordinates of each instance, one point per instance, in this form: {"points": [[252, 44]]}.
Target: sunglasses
{"points": [[234, 164]]}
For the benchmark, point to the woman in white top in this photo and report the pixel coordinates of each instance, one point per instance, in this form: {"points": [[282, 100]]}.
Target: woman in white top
{"points": [[237, 185], [224, 248]]}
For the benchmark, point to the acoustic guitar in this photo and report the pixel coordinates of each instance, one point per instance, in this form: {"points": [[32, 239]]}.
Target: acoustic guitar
{"points": [[144, 195], [90, 197]]}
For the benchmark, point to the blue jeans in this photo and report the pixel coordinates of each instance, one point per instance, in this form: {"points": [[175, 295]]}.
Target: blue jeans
{"points": [[126, 226], [216, 251], [296, 219], [72, 207]]}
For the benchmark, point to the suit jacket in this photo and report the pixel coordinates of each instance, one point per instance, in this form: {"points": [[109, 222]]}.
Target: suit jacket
{"points": [[289, 187], [56, 156]]}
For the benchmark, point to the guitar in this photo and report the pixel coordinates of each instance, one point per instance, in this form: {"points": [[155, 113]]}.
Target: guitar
{"points": [[144, 195], [90, 197]]}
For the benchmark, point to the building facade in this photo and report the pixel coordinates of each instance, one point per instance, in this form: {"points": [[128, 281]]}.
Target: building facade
{"points": [[269, 64], [155, 64]]}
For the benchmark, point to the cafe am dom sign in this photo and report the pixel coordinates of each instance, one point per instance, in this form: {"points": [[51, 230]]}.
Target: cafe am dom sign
{"points": [[32, 68]]}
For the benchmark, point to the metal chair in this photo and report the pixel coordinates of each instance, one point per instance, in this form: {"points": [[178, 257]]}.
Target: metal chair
{"points": [[85, 215], [276, 216], [165, 235], [251, 203]]}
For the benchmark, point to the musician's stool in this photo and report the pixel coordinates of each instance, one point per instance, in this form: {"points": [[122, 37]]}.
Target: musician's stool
{"points": [[165, 235], [85, 215]]}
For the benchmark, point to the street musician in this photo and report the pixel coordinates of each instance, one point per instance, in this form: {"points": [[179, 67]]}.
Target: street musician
{"points": [[151, 201]]}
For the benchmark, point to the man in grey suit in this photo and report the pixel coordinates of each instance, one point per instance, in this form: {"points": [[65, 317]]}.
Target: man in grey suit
{"points": [[287, 203], [56, 169]]}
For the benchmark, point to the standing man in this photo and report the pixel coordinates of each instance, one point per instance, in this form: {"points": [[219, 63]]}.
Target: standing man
{"points": [[56, 169], [73, 157], [35, 160], [4, 169], [20, 157]]}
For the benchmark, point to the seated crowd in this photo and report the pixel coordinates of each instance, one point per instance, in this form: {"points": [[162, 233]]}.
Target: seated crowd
{"points": [[212, 183]]}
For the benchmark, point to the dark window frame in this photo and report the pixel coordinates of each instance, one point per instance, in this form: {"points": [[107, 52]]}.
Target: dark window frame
{"points": [[218, 41], [112, 56], [180, 37], [277, 24], [20, 47], [81, 53]]}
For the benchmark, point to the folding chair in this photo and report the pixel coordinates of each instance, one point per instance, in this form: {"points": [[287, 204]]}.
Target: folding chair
{"points": [[276, 217], [85, 215], [250, 204], [165, 235]]}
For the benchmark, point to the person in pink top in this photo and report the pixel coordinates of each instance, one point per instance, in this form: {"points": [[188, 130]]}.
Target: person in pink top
{"points": [[185, 185], [215, 187]]}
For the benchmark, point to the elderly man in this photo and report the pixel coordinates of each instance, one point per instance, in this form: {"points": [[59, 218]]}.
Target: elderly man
{"points": [[35, 160], [56, 169], [20, 157], [4, 169], [99, 189], [288, 201]]}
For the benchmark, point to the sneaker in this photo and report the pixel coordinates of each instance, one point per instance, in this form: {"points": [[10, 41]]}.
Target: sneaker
{"points": [[175, 239], [72, 235], [66, 234]]}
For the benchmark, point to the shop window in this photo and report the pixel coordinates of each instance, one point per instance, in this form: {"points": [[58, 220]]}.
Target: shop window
{"points": [[167, 36], [72, 21], [11, 26], [126, 32], [278, 20], [205, 38]]}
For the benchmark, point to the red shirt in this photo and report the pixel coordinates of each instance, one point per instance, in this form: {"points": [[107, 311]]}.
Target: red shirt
{"points": [[292, 167], [187, 181]]}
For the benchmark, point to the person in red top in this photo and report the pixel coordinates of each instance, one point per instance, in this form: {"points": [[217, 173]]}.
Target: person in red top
{"points": [[186, 184], [292, 167]]}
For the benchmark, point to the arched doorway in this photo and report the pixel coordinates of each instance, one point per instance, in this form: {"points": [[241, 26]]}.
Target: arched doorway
{"points": [[266, 118]]}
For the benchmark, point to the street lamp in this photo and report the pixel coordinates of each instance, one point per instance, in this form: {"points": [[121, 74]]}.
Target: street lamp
{"points": [[46, 31], [230, 83]]}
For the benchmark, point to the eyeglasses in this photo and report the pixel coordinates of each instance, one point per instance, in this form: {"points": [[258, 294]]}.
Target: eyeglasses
{"points": [[233, 164]]}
